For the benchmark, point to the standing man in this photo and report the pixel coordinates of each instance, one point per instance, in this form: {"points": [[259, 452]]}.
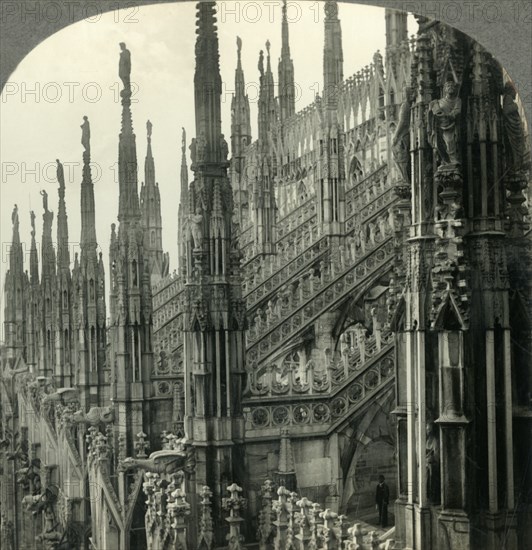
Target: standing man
{"points": [[382, 497]]}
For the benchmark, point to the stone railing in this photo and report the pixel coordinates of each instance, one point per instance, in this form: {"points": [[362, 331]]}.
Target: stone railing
{"points": [[285, 520], [323, 410], [296, 217], [302, 257], [312, 379], [274, 274], [296, 308]]}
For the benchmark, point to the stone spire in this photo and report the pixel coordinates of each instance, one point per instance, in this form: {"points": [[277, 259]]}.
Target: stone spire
{"points": [[207, 90], [47, 247], [397, 46], [63, 253], [128, 209], [88, 221], [14, 312], [333, 58], [150, 205], [33, 317], [34, 259], [286, 472], [62, 343], [287, 104], [48, 290], [184, 169], [267, 103], [183, 201], [214, 319], [240, 138], [130, 294]]}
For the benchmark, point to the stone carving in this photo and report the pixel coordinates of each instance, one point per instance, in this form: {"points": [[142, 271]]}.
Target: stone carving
{"points": [[514, 129], [124, 67], [86, 134], [95, 416], [401, 138], [196, 227], [163, 462], [432, 449], [443, 119]]}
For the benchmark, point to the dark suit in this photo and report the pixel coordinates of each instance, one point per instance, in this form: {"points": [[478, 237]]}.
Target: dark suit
{"points": [[382, 497]]}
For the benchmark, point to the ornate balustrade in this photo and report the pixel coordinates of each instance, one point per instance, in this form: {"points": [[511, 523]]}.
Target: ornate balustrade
{"points": [[323, 410], [293, 311], [302, 256], [296, 217], [271, 381], [275, 278], [286, 520]]}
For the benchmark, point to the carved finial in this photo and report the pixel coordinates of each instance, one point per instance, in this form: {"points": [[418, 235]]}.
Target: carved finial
{"points": [[32, 218], [238, 45], [14, 216], [183, 140], [149, 127]]}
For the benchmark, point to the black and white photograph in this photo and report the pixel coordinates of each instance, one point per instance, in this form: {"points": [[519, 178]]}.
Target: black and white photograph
{"points": [[266, 277]]}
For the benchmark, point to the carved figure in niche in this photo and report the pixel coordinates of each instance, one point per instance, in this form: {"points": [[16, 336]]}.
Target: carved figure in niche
{"points": [[401, 138], [345, 348], [341, 249], [124, 66], [443, 124], [432, 450], [223, 148], [196, 229], [201, 145], [382, 221], [193, 151], [514, 128], [360, 335], [377, 328], [361, 239], [371, 232], [352, 247]]}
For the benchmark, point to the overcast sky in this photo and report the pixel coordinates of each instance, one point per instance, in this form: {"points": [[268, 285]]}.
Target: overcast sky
{"points": [[75, 73]]}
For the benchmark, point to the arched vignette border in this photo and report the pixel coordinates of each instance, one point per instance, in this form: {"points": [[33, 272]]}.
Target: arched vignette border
{"points": [[503, 27]]}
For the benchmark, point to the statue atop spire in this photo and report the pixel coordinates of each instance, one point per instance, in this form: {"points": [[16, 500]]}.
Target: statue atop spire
{"points": [[14, 217], [60, 177], [261, 63], [183, 142], [238, 47], [32, 221], [149, 126], [286, 73], [124, 68], [86, 135], [44, 195]]}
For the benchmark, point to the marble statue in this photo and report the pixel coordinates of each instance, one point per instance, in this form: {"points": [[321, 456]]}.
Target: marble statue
{"points": [[86, 134], [124, 67], [513, 127], [401, 137], [443, 124]]}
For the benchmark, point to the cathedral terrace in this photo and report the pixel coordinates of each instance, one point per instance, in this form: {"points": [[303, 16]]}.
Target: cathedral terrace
{"points": [[313, 333]]}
